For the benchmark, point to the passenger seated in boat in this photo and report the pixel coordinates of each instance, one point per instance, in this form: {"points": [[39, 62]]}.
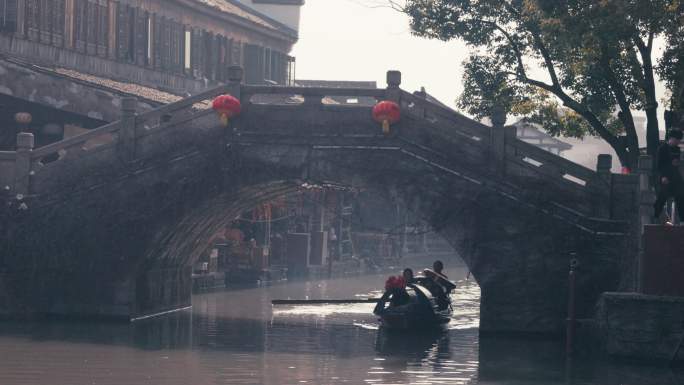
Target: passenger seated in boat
{"points": [[395, 293], [438, 268], [408, 276], [438, 284], [428, 281]]}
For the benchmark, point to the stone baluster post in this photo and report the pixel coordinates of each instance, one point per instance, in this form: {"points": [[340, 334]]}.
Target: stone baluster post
{"points": [[127, 132], [601, 189], [235, 75], [604, 163], [22, 165], [393, 94], [646, 193], [675, 212], [500, 136], [646, 196], [393, 91]]}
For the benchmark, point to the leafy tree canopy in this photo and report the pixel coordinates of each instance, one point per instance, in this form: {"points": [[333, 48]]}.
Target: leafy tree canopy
{"points": [[596, 56]]}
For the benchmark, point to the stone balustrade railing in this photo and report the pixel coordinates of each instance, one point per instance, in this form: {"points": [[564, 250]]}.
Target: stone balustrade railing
{"points": [[122, 139], [458, 126], [517, 158], [7, 162]]}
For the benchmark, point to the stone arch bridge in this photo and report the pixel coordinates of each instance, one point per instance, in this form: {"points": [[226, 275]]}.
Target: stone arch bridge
{"points": [[107, 223]]}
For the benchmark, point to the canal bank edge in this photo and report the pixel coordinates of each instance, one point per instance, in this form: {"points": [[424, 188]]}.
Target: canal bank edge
{"points": [[641, 326]]}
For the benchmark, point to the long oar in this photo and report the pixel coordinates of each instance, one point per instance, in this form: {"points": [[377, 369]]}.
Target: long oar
{"points": [[321, 301], [676, 352]]}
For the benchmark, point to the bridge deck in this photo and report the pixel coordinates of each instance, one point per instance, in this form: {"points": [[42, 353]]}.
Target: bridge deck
{"points": [[323, 117]]}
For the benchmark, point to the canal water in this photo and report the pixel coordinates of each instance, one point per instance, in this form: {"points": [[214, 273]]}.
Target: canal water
{"points": [[237, 337]]}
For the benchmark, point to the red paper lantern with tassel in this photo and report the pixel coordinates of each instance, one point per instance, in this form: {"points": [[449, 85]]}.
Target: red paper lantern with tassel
{"points": [[386, 112], [227, 106]]}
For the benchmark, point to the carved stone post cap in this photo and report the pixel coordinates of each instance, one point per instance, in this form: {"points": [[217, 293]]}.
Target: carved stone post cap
{"points": [[498, 116], [604, 162], [129, 104], [393, 78], [25, 141], [235, 74], [645, 162]]}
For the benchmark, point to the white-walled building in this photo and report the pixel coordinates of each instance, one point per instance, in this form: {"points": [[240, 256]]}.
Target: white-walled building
{"points": [[287, 12], [583, 151]]}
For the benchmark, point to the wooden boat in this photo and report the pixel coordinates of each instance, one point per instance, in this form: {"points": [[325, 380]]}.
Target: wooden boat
{"points": [[421, 310]]}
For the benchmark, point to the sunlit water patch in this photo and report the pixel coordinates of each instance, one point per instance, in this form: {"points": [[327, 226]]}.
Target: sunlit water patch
{"points": [[238, 337]]}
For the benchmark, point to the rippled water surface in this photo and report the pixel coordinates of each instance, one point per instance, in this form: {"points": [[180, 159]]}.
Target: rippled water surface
{"points": [[237, 337]]}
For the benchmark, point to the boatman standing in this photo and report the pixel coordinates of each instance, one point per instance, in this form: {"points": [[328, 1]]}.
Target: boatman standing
{"points": [[669, 180], [438, 267]]}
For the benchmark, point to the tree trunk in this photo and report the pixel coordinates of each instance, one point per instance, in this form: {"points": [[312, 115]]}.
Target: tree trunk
{"points": [[627, 158], [652, 131], [651, 103]]}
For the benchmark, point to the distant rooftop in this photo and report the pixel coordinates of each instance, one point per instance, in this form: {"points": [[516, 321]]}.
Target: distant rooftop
{"points": [[535, 134], [236, 8]]}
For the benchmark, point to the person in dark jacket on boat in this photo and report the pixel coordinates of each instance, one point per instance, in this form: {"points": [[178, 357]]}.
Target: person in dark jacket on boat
{"points": [[669, 180], [408, 276], [395, 293], [438, 268]]}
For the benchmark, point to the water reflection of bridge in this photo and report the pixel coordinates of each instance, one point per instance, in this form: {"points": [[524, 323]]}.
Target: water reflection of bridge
{"points": [[107, 222]]}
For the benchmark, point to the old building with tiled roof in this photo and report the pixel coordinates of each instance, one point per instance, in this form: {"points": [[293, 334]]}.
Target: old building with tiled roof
{"points": [[156, 50]]}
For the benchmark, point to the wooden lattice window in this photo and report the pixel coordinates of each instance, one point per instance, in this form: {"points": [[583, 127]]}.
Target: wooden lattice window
{"points": [[141, 36], [91, 26], [254, 64], [212, 53], [197, 53], [45, 21], [80, 25], [126, 33], [158, 41], [177, 47], [57, 23], [236, 53], [8, 15], [165, 48], [223, 58], [102, 39], [33, 19]]}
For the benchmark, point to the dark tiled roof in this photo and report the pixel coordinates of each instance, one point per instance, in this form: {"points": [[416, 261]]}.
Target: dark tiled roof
{"points": [[132, 89], [147, 94], [235, 8]]}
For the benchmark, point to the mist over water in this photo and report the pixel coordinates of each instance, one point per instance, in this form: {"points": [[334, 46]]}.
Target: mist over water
{"points": [[237, 337]]}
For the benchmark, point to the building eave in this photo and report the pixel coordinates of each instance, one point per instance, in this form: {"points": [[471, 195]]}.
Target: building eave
{"points": [[282, 32]]}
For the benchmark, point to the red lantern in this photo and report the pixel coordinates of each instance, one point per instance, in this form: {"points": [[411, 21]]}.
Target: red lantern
{"points": [[23, 118], [386, 112], [626, 170], [227, 106]]}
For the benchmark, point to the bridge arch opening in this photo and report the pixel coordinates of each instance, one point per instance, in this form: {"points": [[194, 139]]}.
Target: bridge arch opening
{"points": [[345, 230]]}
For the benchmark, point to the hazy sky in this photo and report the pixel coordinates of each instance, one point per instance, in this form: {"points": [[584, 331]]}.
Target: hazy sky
{"points": [[357, 40], [352, 40]]}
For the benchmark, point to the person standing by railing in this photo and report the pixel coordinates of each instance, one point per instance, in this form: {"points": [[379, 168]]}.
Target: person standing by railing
{"points": [[669, 180]]}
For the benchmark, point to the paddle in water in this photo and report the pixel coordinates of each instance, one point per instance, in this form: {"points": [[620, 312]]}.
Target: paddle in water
{"points": [[321, 301]]}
